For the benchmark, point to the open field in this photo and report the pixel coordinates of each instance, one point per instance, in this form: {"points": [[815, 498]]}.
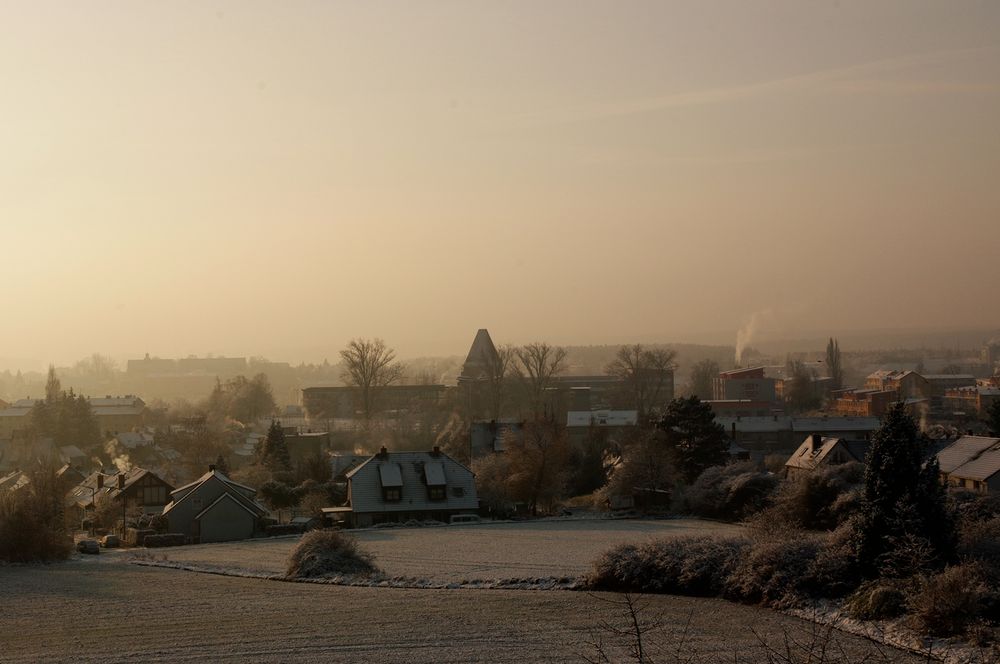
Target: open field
{"points": [[116, 612], [550, 548]]}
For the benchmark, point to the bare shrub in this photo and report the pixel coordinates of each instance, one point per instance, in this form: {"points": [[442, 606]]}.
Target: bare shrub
{"points": [[328, 553], [32, 521], [946, 604], [876, 600], [689, 566], [821, 500], [774, 571], [730, 492]]}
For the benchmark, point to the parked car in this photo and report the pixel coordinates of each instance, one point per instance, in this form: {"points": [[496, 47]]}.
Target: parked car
{"points": [[465, 518], [88, 546]]}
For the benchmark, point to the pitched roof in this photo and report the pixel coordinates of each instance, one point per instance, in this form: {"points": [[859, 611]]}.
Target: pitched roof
{"points": [[181, 494], [481, 355], [981, 467], [963, 450], [808, 457]]}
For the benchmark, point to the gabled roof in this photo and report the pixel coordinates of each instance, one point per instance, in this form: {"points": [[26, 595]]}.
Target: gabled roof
{"points": [[808, 456], [180, 495], [982, 467], [256, 511], [962, 451]]}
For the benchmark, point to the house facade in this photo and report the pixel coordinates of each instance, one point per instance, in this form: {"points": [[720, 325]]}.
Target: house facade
{"points": [[214, 508], [400, 486]]}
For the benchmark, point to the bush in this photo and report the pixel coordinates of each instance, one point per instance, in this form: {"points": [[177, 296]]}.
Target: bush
{"points": [[876, 600], [773, 571], [820, 500], [166, 539], [328, 553], [685, 565], [947, 603], [730, 492]]}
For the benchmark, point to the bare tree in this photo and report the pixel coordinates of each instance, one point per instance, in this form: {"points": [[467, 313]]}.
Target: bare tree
{"points": [[537, 364], [537, 463], [498, 369], [369, 366], [645, 373]]}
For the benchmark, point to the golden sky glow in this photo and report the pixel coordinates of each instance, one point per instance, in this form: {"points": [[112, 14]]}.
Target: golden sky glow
{"points": [[278, 177]]}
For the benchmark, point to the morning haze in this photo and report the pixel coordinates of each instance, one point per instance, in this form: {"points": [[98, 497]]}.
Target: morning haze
{"points": [[464, 331], [248, 179]]}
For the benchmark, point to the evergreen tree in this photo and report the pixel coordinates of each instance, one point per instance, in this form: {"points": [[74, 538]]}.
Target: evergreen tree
{"points": [[903, 498], [993, 418], [274, 453], [692, 437], [834, 366]]}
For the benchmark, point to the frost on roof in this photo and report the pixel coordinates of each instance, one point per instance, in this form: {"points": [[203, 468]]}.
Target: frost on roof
{"points": [[390, 474], [434, 473]]}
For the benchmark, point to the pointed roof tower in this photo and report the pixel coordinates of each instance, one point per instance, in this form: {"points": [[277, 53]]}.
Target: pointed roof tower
{"points": [[481, 355]]}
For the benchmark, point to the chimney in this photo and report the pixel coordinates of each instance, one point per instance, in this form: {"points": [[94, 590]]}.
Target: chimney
{"points": [[436, 451], [211, 467], [100, 480], [815, 442], [383, 452]]}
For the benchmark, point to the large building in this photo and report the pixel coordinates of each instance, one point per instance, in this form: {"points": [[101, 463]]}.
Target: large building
{"points": [[114, 414], [750, 384], [344, 402]]}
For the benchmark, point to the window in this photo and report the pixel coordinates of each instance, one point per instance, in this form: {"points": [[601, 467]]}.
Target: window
{"points": [[436, 493], [458, 491], [392, 494]]}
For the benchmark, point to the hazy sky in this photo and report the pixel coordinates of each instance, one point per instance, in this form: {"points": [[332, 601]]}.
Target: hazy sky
{"points": [[278, 177]]}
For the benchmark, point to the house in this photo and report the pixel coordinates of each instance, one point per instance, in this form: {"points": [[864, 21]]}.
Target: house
{"points": [[132, 440], [817, 450], [139, 488], [214, 508], [781, 433], [13, 481], [864, 403], [971, 462], [399, 486]]}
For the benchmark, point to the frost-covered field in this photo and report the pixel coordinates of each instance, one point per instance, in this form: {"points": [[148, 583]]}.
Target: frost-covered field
{"points": [[550, 548], [86, 611]]}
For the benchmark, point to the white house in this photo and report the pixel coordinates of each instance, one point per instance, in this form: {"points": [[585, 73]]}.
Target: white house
{"points": [[400, 486]]}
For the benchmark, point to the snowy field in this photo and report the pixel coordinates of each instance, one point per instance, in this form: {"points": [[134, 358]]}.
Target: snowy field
{"points": [[549, 548], [110, 611]]}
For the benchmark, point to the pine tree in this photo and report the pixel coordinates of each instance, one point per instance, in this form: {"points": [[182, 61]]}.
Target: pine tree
{"points": [[903, 497], [274, 454], [834, 365], [692, 437]]}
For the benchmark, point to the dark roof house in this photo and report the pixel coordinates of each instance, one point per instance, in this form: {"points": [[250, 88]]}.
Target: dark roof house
{"points": [[817, 450], [400, 486], [214, 508]]}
